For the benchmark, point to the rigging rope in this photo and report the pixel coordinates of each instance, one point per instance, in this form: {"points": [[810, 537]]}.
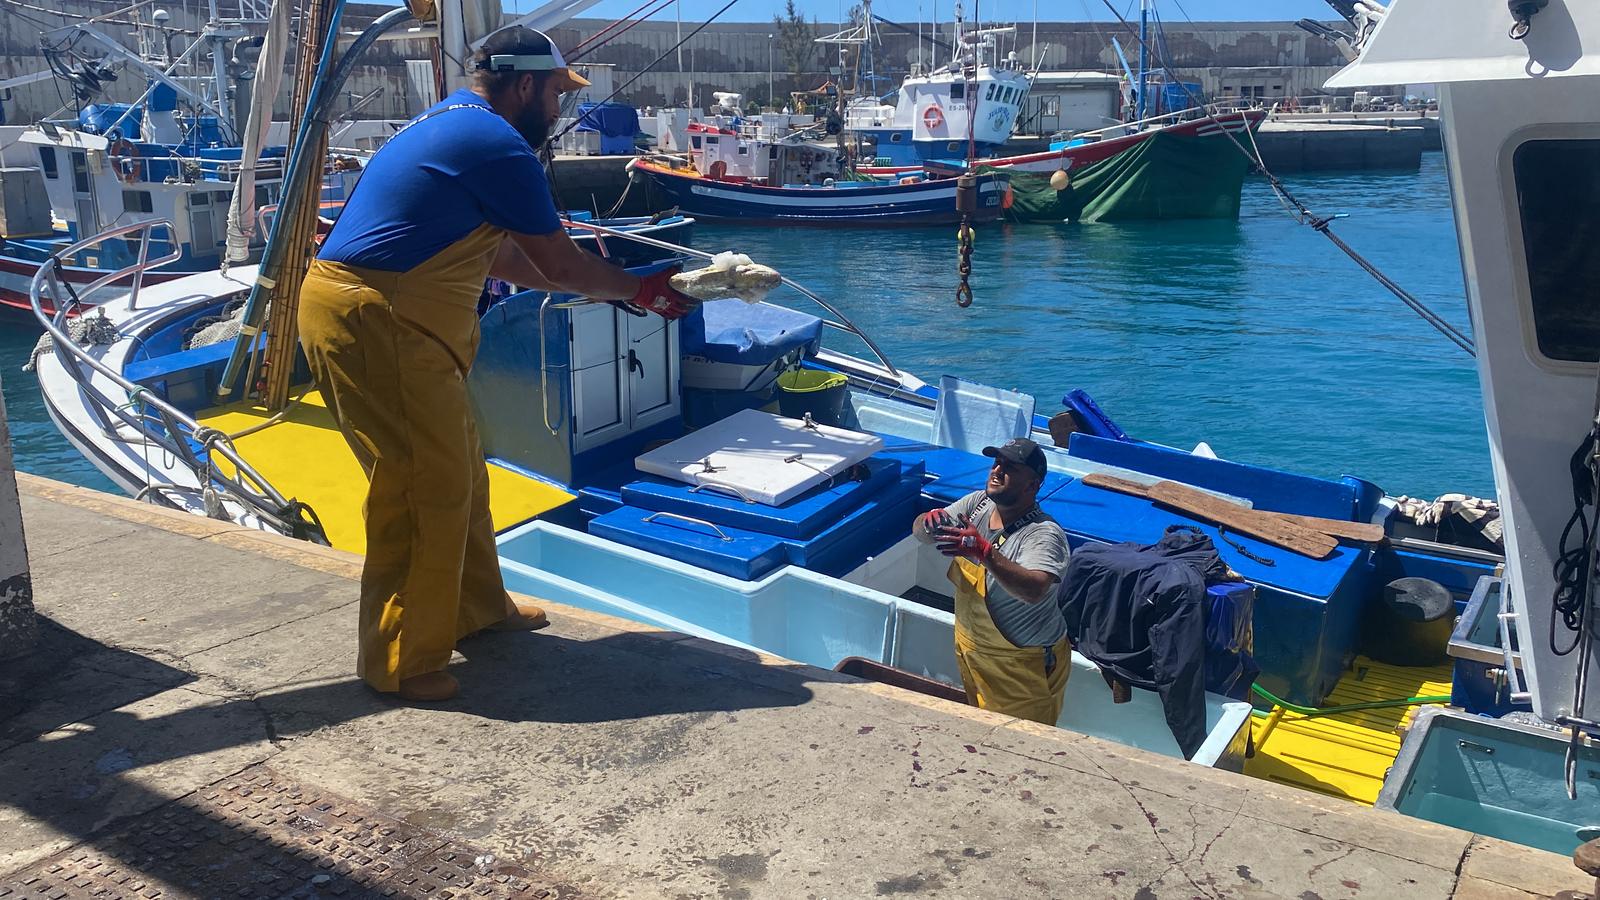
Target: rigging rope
{"points": [[1303, 213]]}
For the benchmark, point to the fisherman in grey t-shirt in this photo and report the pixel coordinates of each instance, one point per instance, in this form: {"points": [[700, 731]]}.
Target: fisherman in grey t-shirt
{"points": [[1008, 557]]}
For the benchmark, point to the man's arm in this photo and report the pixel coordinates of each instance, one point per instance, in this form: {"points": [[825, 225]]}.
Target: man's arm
{"points": [[958, 510], [567, 268], [1028, 585], [511, 264]]}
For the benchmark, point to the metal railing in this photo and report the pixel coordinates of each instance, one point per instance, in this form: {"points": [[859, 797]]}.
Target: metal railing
{"points": [[151, 419]]}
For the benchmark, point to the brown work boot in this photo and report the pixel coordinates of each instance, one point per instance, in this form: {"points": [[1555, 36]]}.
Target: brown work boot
{"points": [[429, 687], [527, 617]]}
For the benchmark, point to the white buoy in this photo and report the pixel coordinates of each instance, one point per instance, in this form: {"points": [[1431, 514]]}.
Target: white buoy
{"points": [[1059, 180]]}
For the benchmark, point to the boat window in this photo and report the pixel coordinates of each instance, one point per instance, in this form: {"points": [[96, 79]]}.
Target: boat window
{"points": [[1558, 198], [958, 90], [47, 160], [990, 94], [80, 172], [895, 137], [199, 198], [137, 201]]}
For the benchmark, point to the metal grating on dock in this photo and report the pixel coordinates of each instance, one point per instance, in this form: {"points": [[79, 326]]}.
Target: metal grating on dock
{"points": [[259, 835]]}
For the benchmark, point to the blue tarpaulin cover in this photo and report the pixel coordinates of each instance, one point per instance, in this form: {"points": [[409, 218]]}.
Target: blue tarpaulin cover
{"points": [[610, 119], [747, 334]]}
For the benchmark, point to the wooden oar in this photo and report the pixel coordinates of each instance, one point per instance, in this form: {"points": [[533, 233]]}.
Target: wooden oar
{"points": [[1359, 532], [1267, 528]]}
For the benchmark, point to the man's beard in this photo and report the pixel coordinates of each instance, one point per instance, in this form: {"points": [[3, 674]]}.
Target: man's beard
{"points": [[533, 125]]}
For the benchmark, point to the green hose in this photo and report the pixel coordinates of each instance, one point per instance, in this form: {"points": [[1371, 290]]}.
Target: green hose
{"points": [[1313, 712]]}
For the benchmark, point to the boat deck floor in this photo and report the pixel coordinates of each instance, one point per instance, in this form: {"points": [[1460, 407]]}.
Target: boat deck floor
{"points": [[304, 456], [1346, 755]]}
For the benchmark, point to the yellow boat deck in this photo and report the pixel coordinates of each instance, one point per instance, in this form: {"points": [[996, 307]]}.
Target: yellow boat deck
{"points": [[1345, 755], [304, 456]]}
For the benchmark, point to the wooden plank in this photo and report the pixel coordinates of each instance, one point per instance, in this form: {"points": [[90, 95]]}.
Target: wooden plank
{"points": [[1120, 485], [1360, 532], [1262, 527]]}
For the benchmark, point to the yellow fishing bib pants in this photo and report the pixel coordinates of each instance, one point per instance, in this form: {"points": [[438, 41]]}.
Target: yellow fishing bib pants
{"points": [[390, 352], [1026, 682]]}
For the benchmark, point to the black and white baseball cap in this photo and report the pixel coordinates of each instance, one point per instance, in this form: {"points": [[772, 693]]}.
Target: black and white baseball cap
{"points": [[522, 49]]}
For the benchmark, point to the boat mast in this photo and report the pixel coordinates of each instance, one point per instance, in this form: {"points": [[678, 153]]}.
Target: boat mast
{"points": [[1144, 58]]}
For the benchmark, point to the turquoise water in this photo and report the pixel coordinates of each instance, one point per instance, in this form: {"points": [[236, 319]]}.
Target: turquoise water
{"points": [[1255, 336]]}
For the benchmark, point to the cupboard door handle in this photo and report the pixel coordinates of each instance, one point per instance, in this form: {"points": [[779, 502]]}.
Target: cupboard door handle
{"points": [[634, 365]]}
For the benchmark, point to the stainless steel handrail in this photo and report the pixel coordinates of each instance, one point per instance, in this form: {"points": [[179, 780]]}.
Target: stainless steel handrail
{"points": [[263, 499], [844, 323]]}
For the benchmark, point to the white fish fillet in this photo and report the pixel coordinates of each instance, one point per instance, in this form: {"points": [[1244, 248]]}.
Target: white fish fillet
{"points": [[729, 275]]}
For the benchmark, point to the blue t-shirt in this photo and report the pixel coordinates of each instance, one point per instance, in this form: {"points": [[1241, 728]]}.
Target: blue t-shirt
{"points": [[444, 175]]}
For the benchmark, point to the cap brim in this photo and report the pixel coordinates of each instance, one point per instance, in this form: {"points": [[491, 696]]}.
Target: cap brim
{"points": [[569, 80], [991, 451]]}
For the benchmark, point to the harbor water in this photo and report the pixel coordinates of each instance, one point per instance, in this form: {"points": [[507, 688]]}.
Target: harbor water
{"points": [[1256, 336]]}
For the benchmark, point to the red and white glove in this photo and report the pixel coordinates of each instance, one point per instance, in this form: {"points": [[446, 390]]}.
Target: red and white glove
{"points": [[658, 296], [963, 540]]}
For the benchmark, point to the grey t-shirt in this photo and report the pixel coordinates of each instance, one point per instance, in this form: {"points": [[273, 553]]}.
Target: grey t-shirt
{"points": [[1040, 545]]}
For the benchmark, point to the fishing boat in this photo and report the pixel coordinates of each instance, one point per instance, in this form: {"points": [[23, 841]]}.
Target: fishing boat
{"points": [[795, 182], [1175, 157], [624, 479]]}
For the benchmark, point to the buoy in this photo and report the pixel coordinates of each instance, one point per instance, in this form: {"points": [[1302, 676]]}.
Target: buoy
{"points": [[1006, 203], [964, 233], [1059, 180]]}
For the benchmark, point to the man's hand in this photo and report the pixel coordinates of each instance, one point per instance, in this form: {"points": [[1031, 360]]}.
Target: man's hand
{"points": [[657, 295], [936, 519], [963, 540]]}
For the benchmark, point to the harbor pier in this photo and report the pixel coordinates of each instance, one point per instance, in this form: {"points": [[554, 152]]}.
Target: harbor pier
{"points": [[1323, 146], [190, 726]]}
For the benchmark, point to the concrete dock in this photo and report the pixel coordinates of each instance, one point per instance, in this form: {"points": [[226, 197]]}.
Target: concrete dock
{"points": [[1322, 146], [189, 726]]}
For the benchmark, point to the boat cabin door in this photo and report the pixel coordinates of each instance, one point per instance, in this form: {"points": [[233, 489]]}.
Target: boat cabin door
{"points": [[86, 212]]}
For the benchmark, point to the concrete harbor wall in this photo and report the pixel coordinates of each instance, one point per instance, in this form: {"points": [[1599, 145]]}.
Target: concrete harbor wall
{"points": [[1250, 59], [1322, 146]]}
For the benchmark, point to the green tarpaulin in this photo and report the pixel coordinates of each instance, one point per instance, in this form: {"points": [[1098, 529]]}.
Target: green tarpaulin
{"points": [[1166, 176]]}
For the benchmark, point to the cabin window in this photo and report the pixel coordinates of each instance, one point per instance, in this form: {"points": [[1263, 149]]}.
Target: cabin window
{"points": [[80, 172], [137, 202], [1558, 194], [694, 141], [989, 95], [958, 90], [896, 137], [47, 161], [199, 198]]}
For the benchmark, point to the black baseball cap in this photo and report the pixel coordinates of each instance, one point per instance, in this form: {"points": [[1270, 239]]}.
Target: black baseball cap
{"points": [[522, 49], [1021, 451]]}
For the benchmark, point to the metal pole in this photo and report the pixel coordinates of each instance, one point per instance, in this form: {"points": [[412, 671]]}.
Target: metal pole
{"points": [[769, 71], [1144, 55], [19, 628]]}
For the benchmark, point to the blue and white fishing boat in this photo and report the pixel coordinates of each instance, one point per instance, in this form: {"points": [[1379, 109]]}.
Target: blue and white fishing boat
{"points": [[625, 479]]}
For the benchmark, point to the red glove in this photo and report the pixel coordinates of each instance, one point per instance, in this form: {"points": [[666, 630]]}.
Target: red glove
{"points": [[936, 519], [661, 298], [963, 540]]}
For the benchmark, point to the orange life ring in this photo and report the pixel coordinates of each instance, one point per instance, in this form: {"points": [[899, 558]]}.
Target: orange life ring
{"points": [[932, 117], [123, 152]]}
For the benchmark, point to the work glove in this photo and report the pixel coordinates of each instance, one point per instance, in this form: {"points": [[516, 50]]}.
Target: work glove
{"points": [[963, 540], [658, 296], [933, 520]]}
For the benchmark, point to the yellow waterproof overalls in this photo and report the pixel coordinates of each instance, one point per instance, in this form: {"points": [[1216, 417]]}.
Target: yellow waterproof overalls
{"points": [[390, 352], [1026, 682]]}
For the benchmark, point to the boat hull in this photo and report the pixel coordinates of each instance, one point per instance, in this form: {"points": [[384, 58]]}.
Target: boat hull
{"points": [[923, 202]]}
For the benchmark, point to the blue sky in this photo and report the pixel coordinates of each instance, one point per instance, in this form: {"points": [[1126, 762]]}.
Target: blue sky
{"points": [[992, 10]]}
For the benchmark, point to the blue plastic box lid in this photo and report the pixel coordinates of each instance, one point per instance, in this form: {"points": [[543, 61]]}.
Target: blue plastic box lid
{"points": [[747, 334]]}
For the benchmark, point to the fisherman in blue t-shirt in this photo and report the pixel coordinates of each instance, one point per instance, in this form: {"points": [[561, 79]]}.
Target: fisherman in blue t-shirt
{"points": [[388, 320]]}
